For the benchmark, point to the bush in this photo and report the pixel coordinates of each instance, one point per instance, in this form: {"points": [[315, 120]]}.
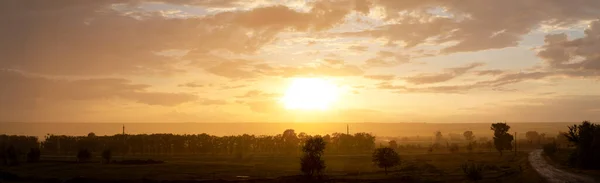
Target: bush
{"points": [[33, 155], [106, 155], [473, 171], [550, 149], [84, 155]]}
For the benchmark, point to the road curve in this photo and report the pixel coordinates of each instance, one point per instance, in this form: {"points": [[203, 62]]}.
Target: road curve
{"points": [[552, 174]]}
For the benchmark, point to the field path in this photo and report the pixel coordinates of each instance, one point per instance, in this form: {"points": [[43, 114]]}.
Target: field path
{"points": [[552, 174]]}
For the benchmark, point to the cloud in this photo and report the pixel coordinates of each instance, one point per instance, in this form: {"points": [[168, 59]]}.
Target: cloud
{"points": [[386, 59], [95, 38], [463, 25], [213, 102], [495, 84], [330, 69], [191, 85], [358, 48], [450, 73], [578, 57], [492, 72], [253, 94], [20, 87], [381, 77]]}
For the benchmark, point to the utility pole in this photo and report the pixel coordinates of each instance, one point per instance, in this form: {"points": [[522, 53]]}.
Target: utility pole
{"points": [[347, 129], [515, 144], [123, 129]]}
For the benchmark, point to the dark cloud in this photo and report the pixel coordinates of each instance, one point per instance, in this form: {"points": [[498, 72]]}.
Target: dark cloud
{"points": [[21, 87], [450, 73]]}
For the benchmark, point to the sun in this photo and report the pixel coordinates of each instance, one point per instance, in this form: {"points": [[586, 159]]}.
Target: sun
{"points": [[310, 94]]}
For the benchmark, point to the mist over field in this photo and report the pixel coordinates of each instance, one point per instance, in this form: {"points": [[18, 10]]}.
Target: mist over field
{"points": [[224, 129]]}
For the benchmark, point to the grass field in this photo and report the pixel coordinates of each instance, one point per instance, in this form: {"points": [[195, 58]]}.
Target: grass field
{"points": [[443, 167]]}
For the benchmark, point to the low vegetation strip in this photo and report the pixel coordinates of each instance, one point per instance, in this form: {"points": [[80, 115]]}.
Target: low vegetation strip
{"points": [[552, 174]]}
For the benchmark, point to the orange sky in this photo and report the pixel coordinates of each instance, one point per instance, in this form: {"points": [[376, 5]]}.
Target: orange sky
{"points": [[233, 60]]}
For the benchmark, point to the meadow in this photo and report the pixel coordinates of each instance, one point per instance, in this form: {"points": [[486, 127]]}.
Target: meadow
{"points": [[414, 167]]}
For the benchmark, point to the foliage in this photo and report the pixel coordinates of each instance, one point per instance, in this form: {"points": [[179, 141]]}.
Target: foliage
{"points": [[473, 171], [311, 163], [586, 138], [84, 155], [502, 139], [106, 155], [453, 148], [34, 155], [385, 158], [469, 136], [550, 148], [532, 136], [158, 144], [393, 144], [470, 146], [438, 137], [11, 156]]}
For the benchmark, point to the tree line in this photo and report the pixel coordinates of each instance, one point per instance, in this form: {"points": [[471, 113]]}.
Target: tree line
{"points": [[288, 142]]}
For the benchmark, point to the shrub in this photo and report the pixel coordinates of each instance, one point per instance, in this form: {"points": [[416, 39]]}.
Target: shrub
{"points": [[34, 155], [106, 155], [550, 149], [473, 171], [84, 155]]}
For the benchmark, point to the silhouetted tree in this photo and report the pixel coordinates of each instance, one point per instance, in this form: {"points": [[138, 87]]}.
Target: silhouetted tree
{"points": [[393, 144], [532, 136], [385, 158], [438, 137], [453, 148], [84, 155], [34, 155], [290, 141], [106, 155], [502, 139], [311, 163], [586, 138], [12, 156], [469, 136]]}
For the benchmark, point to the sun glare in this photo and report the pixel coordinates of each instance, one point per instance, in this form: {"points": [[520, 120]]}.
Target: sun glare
{"points": [[310, 94]]}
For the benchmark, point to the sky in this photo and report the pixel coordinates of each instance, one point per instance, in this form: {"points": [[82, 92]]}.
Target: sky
{"points": [[440, 61]]}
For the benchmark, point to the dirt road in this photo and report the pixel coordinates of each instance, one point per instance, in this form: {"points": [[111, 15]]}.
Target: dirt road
{"points": [[552, 174]]}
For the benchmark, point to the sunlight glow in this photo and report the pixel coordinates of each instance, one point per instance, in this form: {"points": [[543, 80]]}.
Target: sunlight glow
{"points": [[310, 94]]}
